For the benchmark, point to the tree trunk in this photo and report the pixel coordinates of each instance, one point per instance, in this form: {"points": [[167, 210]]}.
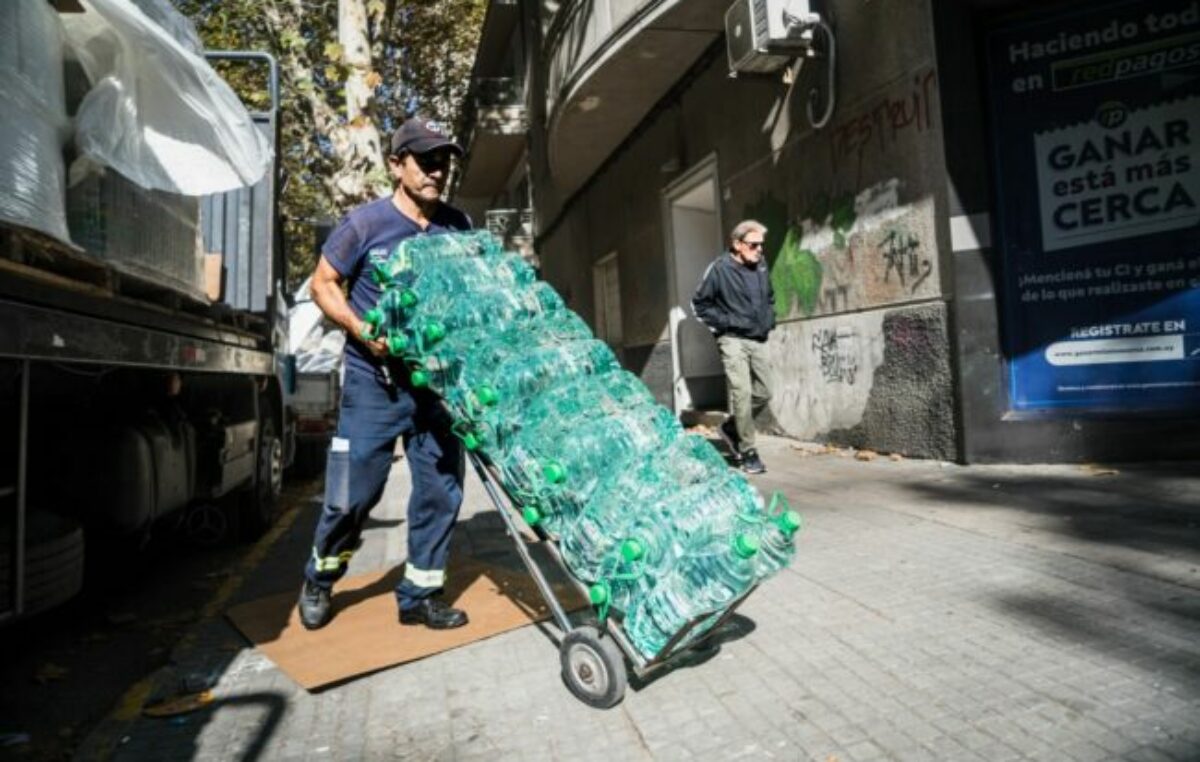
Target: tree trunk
{"points": [[364, 173]]}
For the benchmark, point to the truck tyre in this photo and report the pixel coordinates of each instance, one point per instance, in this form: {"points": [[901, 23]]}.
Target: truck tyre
{"points": [[53, 562], [258, 506]]}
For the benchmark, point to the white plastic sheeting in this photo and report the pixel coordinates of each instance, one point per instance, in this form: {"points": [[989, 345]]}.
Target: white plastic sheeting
{"points": [[157, 112], [33, 118], [316, 343]]}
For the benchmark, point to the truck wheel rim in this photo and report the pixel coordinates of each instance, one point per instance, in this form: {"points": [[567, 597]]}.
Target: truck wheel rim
{"points": [[275, 465]]}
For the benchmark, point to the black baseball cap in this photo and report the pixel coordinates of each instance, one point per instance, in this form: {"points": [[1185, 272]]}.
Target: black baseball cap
{"points": [[419, 134]]}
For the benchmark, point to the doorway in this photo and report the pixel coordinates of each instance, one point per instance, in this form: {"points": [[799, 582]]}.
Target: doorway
{"points": [[692, 221]]}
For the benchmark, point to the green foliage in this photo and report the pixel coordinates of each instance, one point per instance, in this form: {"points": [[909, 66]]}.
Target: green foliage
{"points": [[796, 278], [421, 57]]}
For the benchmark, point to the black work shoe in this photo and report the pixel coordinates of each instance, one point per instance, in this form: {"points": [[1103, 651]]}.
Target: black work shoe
{"points": [[434, 614], [316, 608], [751, 463], [730, 438]]}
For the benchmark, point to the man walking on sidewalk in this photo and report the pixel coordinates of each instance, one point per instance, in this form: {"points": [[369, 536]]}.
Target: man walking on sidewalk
{"points": [[735, 301], [379, 405]]}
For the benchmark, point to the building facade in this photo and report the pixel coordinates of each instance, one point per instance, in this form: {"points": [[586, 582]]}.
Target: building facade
{"points": [[984, 236]]}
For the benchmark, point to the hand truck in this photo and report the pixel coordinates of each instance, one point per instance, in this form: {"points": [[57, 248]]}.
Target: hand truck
{"points": [[592, 655]]}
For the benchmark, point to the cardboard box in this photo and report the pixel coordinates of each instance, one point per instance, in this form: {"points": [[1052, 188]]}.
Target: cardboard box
{"points": [[213, 271]]}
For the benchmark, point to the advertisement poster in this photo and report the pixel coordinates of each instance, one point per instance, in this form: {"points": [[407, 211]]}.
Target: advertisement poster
{"points": [[1095, 124]]}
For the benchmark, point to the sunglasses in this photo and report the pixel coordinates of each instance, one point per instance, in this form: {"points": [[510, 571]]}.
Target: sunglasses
{"points": [[753, 244], [429, 162]]}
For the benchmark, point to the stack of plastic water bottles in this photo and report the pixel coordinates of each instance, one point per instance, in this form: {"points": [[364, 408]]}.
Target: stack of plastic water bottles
{"points": [[651, 517]]}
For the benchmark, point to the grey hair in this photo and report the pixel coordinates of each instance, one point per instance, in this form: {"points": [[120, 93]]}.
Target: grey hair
{"points": [[745, 227]]}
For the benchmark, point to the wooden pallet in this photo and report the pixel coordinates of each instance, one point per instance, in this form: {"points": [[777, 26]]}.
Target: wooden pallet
{"points": [[34, 249], [128, 281]]}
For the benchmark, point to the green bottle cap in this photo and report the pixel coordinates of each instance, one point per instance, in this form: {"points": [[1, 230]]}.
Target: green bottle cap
{"points": [[632, 550], [487, 396], [408, 298], [471, 441], [532, 515], [420, 378], [373, 316], [789, 522], [397, 343], [745, 545], [554, 472], [434, 331], [598, 594]]}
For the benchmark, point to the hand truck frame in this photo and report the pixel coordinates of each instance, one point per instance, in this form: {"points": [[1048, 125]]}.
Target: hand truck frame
{"points": [[592, 656]]}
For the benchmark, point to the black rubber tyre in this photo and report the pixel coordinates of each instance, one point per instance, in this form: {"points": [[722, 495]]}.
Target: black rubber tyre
{"points": [[53, 562], [259, 505], [593, 667]]}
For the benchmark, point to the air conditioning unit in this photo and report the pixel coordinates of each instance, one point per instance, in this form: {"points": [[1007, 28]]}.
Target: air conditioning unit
{"points": [[762, 36]]}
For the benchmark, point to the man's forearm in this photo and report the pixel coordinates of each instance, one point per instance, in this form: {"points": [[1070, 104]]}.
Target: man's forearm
{"points": [[332, 301]]}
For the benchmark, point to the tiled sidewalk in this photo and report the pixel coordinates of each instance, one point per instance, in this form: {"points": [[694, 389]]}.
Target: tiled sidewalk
{"points": [[934, 612]]}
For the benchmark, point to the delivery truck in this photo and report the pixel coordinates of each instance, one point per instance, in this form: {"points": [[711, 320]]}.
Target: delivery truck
{"points": [[144, 367]]}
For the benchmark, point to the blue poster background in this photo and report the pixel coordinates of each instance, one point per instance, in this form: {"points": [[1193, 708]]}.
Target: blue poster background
{"points": [[1095, 122]]}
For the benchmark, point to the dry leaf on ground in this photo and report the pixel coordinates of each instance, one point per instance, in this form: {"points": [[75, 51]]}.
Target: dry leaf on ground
{"points": [[866, 455], [179, 705], [50, 671]]}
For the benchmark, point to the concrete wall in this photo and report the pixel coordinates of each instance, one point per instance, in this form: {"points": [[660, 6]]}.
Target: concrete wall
{"points": [[857, 251]]}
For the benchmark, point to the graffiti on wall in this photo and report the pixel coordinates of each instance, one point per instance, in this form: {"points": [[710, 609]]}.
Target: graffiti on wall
{"points": [[856, 230], [837, 354], [883, 123], [902, 255], [851, 251]]}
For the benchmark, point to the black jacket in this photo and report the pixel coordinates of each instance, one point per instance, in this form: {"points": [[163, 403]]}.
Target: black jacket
{"points": [[733, 299]]}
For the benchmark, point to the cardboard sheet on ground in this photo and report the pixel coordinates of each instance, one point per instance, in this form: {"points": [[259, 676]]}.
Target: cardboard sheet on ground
{"points": [[364, 636]]}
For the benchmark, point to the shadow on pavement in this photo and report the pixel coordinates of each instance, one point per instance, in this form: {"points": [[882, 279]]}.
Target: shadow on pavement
{"points": [[1155, 508], [1152, 510], [736, 627]]}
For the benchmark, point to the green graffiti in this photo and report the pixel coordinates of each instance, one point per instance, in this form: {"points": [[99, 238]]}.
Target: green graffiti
{"points": [[773, 213], [838, 213], [796, 278], [842, 218]]}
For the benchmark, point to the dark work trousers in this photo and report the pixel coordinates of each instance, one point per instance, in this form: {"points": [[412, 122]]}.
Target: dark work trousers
{"points": [[373, 415]]}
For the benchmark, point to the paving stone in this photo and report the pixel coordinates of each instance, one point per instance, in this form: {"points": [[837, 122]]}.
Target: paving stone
{"points": [[926, 617]]}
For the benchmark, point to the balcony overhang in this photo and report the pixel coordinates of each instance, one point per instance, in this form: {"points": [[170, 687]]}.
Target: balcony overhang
{"points": [[495, 36], [616, 82], [496, 144]]}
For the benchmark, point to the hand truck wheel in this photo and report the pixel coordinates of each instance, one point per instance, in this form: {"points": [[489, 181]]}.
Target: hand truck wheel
{"points": [[593, 667]]}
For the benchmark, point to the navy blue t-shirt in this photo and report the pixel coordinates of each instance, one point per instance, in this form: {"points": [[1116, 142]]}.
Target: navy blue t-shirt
{"points": [[376, 227]]}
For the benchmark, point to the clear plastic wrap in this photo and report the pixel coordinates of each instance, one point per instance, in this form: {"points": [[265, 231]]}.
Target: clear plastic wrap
{"points": [[316, 343], [157, 112], [33, 118]]}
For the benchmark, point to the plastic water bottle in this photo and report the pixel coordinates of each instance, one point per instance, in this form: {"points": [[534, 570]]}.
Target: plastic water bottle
{"points": [[582, 461], [494, 306], [700, 584], [719, 507], [519, 376], [563, 467], [778, 543], [423, 251], [467, 273], [648, 489], [628, 571]]}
